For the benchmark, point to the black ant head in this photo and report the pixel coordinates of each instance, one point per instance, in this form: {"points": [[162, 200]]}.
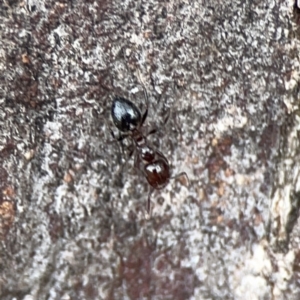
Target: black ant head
{"points": [[126, 116]]}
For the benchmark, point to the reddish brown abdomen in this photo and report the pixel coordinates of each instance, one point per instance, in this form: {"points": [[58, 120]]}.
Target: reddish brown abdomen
{"points": [[157, 173]]}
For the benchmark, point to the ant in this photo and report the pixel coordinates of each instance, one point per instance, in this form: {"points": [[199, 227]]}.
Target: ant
{"points": [[152, 163]]}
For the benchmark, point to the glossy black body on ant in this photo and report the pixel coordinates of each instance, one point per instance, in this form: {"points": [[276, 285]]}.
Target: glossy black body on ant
{"points": [[152, 163]]}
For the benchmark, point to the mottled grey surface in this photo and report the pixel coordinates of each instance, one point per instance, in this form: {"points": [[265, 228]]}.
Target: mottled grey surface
{"points": [[73, 223]]}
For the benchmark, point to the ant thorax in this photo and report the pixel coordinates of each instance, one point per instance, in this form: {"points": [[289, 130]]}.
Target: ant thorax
{"points": [[138, 138], [144, 151], [147, 154]]}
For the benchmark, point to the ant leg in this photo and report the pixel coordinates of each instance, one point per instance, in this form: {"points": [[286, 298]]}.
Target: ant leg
{"points": [[167, 117], [136, 162], [157, 128], [144, 116], [152, 131], [127, 156], [118, 139], [123, 166], [180, 175], [126, 161], [149, 200], [137, 165]]}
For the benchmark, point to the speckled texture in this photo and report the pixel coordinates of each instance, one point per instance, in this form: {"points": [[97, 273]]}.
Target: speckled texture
{"points": [[73, 222]]}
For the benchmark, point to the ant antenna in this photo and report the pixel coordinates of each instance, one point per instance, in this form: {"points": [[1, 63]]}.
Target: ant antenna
{"points": [[146, 96], [143, 86]]}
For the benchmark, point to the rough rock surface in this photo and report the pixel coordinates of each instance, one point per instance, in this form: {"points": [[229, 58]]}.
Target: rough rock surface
{"points": [[73, 223]]}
